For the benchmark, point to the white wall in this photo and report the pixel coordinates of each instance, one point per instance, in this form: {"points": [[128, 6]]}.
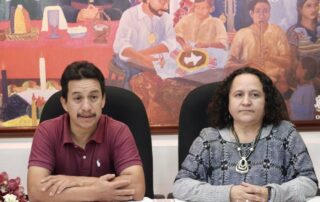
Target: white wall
{"points": [[14, 153]]}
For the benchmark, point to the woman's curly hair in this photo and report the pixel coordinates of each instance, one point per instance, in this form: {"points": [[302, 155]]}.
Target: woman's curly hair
{"points": [[275, 108]]}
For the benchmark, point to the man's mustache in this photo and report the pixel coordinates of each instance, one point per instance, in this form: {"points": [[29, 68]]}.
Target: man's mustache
{"points": [[87, 115]]}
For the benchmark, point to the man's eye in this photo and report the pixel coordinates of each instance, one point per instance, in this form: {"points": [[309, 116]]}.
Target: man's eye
{"points": [[93, 97], [77, 99]]}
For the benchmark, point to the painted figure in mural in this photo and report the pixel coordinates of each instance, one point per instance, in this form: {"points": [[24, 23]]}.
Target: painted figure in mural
{"points": [[200, 28], [262, 45], [84, 155], [282, 13], [303, 98], [145, 31], [251, 152], [78, 10], [304, 36]]}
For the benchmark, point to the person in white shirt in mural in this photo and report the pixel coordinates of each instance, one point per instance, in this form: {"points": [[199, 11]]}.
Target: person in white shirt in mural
{"points": [[145, 32]]}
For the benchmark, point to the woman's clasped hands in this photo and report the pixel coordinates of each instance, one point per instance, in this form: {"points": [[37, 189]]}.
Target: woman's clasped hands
{"points": [[246, 192]]}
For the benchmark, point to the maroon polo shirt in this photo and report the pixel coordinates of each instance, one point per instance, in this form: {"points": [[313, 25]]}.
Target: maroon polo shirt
{"points": [[111, 148]]}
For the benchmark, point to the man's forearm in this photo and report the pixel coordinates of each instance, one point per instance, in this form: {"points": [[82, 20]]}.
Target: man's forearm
{"points": [[160, 48], [137, 57], [85, 193]]}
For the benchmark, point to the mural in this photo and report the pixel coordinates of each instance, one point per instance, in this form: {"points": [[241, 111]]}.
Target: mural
{"points": [[159, 55]]}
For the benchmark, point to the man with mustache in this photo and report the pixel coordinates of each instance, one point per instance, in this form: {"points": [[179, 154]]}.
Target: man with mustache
{"points": [[84, 155], [145, 32]]}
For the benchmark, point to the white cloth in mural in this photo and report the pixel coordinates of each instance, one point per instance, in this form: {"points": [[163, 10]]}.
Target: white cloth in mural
{"points": [[62, 20]]}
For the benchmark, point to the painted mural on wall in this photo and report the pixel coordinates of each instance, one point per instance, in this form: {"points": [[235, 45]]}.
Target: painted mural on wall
{"points": [[158, 55]]}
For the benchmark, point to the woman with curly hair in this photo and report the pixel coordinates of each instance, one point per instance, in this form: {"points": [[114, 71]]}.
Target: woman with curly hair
{"points": [[251, 152]]}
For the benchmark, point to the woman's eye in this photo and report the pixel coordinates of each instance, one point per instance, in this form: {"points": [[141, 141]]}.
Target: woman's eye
{"points": [[255, 95], [238, 94]]}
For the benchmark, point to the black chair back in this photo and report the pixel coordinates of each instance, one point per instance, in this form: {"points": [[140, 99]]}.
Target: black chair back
{"points": [[125, 106], [193, 117]]}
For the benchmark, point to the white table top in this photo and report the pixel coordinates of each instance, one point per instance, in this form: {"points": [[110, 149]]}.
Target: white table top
{"points": [[145, 199]]}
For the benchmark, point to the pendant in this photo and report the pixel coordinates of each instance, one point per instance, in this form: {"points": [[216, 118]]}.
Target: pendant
{"points": [[242, 166], [152, 38]]}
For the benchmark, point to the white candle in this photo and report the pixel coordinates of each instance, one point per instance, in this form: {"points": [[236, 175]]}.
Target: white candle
{"points": [[42, 73]]}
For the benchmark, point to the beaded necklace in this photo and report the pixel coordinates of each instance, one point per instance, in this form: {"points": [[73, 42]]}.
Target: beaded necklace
{"points": [[242, 166]]}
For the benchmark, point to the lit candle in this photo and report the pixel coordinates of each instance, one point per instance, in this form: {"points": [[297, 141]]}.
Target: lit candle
{"points": [[4, 84], [42, 73]]}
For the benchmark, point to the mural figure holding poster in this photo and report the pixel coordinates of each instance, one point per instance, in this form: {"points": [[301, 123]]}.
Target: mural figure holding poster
{"points": [[262, 45]]}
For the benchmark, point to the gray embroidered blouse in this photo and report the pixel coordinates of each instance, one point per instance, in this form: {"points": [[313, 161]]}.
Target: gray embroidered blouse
{"points": [[280, 160]]}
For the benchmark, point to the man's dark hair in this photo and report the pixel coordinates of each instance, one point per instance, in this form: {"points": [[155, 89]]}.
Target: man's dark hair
{"points": [[80, 70], [253, 3], [275, 108]]}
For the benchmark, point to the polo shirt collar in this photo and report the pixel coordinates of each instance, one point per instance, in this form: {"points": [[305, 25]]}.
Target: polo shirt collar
{"points": [[97, 136]]}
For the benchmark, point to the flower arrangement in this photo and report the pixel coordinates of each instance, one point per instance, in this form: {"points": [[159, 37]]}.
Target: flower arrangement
{"points": [[11, 190]]}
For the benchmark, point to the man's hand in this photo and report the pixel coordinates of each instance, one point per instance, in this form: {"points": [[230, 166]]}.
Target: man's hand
{"points": [[58, 183], [106, 188], [246, 192], [109, 190], [144, 60]]}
